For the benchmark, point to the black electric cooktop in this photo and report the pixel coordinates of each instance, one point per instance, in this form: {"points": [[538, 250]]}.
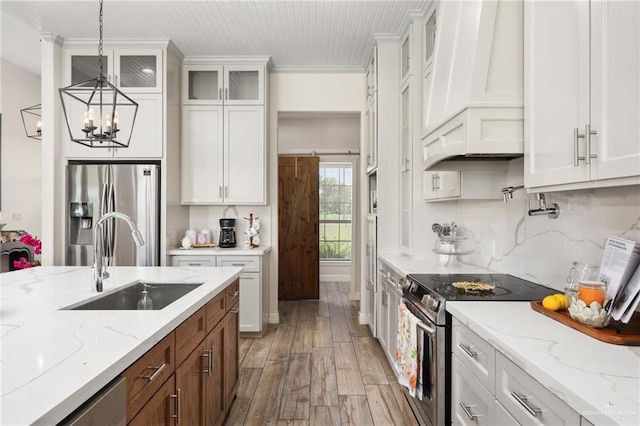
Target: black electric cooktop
{"points": [[507, 287]]}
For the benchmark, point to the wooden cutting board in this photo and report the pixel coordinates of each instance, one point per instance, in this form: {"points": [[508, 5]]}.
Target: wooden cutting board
{"points": [[629, 336]]}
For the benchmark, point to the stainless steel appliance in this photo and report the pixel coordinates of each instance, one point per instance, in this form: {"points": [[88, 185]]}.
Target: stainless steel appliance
{"points": [[227, 233], [426, 295], [94, 189], [108, 407]]}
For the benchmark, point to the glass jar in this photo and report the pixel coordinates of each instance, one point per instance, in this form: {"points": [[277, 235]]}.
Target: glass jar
{"points": [[591, 291], [581, 272]]}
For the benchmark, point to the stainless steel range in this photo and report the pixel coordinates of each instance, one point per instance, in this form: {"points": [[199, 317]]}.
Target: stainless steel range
{"points": [[426, 295]]}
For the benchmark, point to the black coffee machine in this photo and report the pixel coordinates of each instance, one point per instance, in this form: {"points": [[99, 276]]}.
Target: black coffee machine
{"points": [[227, 233]]}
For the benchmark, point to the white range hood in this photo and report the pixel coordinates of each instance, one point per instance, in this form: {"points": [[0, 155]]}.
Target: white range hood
{"points": [[474, 86]]}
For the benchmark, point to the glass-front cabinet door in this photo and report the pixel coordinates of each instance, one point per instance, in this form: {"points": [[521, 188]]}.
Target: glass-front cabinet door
{"points": [[202, 84], [138, 70], [83, 64], [132, 70], [244, 85]]}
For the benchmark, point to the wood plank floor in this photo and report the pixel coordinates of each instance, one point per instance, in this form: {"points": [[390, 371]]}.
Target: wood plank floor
{"points": [[317, 367]]}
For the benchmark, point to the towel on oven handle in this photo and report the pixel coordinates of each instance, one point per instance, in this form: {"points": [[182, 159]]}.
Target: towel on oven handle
{"points": [[409, 352]]}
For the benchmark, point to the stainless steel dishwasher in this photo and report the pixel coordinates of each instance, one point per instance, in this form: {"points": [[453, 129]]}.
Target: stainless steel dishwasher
{"points": [[106, 408]]}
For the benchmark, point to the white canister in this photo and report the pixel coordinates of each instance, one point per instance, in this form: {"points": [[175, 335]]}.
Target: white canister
{"points": [[186, 242], [191, 234]]}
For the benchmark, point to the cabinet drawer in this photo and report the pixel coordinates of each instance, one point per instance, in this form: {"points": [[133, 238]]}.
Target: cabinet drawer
{"points": [[189, 334], [215, 310], [249, 263], [471, 402], [160, 409], [475, 353], [502, 416], [528, 401], [145, 376], [193, 261], [232, 296]]}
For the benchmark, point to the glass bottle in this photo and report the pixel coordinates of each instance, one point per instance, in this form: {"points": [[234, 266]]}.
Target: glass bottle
{"points": [[145, 303]]}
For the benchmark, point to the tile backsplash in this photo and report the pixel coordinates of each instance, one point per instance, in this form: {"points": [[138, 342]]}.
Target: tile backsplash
{"points": [[538, 248]]}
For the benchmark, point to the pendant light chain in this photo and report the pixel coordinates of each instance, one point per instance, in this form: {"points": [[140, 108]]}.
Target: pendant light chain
{"points": [[100, 42]]}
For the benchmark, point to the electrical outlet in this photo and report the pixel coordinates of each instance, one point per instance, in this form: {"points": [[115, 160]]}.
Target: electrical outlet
{"points": [[17, 217]]}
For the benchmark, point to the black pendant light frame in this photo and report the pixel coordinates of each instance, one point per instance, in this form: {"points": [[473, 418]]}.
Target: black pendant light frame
{"points": [[98, 95], [33, 130]]}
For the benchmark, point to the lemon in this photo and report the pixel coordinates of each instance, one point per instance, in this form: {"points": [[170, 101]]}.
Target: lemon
{"points": [[563, 300], [551, 303]]}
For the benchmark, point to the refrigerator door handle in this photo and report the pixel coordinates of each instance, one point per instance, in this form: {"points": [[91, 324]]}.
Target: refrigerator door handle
{"points": [[112, 227]]}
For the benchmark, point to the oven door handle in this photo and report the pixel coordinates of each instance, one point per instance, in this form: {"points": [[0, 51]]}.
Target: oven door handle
{"points": [[431, 331]]}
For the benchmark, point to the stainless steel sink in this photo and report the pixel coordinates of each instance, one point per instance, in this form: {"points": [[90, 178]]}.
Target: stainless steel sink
{"points": [[126, 298]]}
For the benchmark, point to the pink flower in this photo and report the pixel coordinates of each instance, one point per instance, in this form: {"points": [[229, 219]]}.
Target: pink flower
{"points": [[29, 240], [23, 264]]}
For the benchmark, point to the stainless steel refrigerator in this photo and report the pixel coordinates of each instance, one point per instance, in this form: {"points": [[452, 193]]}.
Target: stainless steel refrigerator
{"points": [[99, 188]]}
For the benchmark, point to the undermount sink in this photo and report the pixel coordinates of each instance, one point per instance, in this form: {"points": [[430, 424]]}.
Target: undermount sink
{"points": [[126, 298]]}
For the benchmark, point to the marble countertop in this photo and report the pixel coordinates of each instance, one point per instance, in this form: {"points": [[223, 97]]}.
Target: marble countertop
{"points": [[403, 265], [598, 380], [53, 360], [218, 251]]}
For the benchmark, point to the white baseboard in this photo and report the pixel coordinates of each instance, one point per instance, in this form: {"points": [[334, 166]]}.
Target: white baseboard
{"points": [[363, 318], [274, 318]]}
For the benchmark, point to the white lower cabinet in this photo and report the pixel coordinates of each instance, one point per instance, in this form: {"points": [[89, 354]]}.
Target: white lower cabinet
{"points": [[487, 388], [502, 416], [251, 283], [471, 402], [387, 310], [527, 400]]}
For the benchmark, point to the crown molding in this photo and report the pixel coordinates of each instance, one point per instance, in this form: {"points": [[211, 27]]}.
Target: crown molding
{"points": [[52, 38], [319, 69]]}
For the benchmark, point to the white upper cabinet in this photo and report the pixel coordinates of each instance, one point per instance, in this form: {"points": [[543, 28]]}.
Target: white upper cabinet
{"points": [[473, 81], [223, 133], [223, 84], [139, 74], [131, 70], [582, 112]]}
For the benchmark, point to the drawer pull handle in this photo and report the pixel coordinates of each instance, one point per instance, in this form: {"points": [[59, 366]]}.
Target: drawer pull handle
{"points": [[211, 351], [241, 265], [235, 294], [522, 399], [467, 350], [151, 377], [194, 264], [207, 369], [235, 311], [178, 407], [467, 410]]}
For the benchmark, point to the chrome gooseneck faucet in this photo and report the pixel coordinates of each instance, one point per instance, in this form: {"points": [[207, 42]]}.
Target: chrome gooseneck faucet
{"points": [[99, 267]]}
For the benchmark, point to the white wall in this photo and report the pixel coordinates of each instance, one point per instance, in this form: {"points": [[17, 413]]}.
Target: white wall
{"points": [[304, 133], [21, 174]]}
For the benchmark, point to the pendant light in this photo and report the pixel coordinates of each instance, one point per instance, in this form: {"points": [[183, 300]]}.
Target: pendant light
{"points": [[97, 114], [31, 121]]}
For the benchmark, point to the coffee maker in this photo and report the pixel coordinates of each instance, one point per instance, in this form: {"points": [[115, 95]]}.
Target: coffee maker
{"points": [[227, 233]]}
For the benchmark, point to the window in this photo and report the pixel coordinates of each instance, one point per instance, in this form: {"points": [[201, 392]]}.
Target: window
{"points": [[335, 211]]}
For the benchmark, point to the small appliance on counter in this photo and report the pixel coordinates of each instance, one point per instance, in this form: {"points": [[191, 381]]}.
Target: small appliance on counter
{"points": [[227, 233], [450, 243]]}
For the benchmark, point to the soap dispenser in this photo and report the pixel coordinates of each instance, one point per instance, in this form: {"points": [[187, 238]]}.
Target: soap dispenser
{"points": [[145, 303]]}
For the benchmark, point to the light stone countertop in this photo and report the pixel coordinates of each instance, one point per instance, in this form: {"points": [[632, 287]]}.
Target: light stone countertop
{"points": [[218, 251], [53, 360], [600, 381]]}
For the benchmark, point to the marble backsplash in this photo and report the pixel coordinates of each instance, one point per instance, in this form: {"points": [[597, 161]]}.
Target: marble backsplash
{"points": [[505, 238]]}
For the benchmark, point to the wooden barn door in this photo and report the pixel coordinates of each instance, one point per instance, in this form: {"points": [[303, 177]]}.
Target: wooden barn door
{"points": [[298, 219]]}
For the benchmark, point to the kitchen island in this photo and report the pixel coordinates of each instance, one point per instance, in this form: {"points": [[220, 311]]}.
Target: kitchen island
{"points": [[53, 360], [600, 381]]}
